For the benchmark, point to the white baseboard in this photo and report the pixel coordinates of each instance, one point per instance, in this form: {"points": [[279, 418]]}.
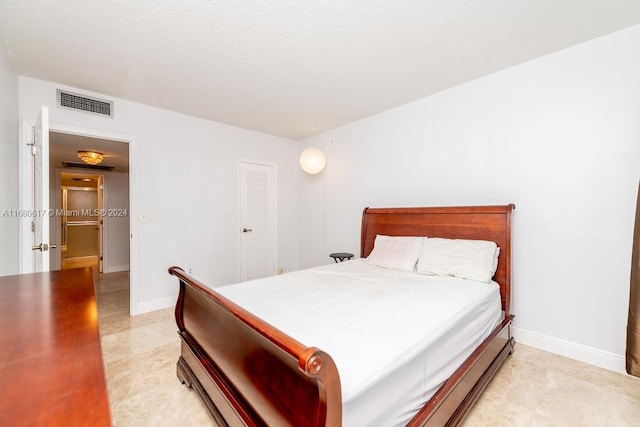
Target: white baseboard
{"points": [[156, 304], [593, 356], [115, 268]]}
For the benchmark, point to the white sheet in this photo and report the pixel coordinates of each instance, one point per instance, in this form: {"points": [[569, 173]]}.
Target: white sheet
{"points": [[395, 335]]}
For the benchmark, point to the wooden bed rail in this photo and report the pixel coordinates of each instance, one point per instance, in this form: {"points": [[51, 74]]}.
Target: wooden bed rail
{"points": [[252, 366]]}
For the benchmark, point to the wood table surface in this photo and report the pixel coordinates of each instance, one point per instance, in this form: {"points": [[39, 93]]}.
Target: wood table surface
{"points": [[51, 367]]}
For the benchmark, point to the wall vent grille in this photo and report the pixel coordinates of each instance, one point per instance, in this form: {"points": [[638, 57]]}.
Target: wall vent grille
{"points": [[79, 102]]}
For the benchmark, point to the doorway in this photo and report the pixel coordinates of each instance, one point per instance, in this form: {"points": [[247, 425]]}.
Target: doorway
{"points": [[80, 221], [125, 198], [92, 227]]}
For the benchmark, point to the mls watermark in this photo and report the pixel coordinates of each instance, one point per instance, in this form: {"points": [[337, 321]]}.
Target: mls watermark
{"points": [[38, 213]]}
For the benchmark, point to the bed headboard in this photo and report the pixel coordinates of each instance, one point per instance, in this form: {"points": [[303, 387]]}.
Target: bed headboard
{"points": [[459, 222]]}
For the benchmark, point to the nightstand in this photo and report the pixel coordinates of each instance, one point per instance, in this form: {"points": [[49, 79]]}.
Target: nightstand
{"points": [[341, 256]]}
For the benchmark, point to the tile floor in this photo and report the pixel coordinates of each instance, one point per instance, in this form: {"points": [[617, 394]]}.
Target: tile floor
{"points": [[533, 388]]}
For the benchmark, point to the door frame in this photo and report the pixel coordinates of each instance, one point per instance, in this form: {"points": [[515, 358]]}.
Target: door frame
{"points": [[24, 153]]}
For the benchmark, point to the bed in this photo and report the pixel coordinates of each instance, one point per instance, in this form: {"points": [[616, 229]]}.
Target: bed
{"points": [[247, 371]]}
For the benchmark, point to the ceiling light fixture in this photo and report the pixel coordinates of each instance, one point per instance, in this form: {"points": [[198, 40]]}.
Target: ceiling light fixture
{"points": [[90, 157]]}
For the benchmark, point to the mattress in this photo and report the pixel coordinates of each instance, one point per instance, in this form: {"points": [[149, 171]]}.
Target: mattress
{"points": [[395, 336]]}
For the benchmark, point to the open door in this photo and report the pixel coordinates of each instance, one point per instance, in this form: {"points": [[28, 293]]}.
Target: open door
{"points": [[40, 220]]}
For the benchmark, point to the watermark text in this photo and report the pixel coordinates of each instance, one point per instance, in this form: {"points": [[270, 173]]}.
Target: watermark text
{"points": [[39, 213]]}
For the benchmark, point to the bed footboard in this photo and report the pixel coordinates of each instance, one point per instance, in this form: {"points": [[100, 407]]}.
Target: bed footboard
{"points": [[246, 371]]}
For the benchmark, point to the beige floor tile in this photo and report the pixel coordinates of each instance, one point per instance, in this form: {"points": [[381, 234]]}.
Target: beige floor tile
{"points": [[140, 355], [124, 322]]}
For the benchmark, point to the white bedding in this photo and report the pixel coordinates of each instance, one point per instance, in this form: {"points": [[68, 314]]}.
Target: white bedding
{"points": [[395, 336]]}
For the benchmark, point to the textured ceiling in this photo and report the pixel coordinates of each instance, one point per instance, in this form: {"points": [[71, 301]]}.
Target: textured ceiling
{"points": [[290, 68]]}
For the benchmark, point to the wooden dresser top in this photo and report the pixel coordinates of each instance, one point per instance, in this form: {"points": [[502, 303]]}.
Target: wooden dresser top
{"points": [[51, 368]]}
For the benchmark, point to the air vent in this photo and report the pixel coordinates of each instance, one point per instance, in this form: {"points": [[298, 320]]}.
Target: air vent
{"points": [[86, 166], [75, 101]]}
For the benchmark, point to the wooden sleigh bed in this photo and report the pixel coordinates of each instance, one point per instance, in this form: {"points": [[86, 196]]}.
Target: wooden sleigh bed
{"points": [[247, 372]]}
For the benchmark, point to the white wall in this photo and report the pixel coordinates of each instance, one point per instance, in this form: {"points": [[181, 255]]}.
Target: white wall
{"points": [[558, 136], [187, 187], [116, 228], [8, 165]]}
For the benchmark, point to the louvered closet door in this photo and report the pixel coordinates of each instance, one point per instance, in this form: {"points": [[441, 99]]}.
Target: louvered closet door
{"points": [[257, 220]]}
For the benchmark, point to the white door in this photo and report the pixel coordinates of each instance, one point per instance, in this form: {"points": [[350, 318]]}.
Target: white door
{"points": [[40, 221], [257, 220]]}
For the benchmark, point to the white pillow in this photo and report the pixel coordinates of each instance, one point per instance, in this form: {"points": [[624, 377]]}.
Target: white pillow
{"points": [[467, 259], [398, 252]]}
